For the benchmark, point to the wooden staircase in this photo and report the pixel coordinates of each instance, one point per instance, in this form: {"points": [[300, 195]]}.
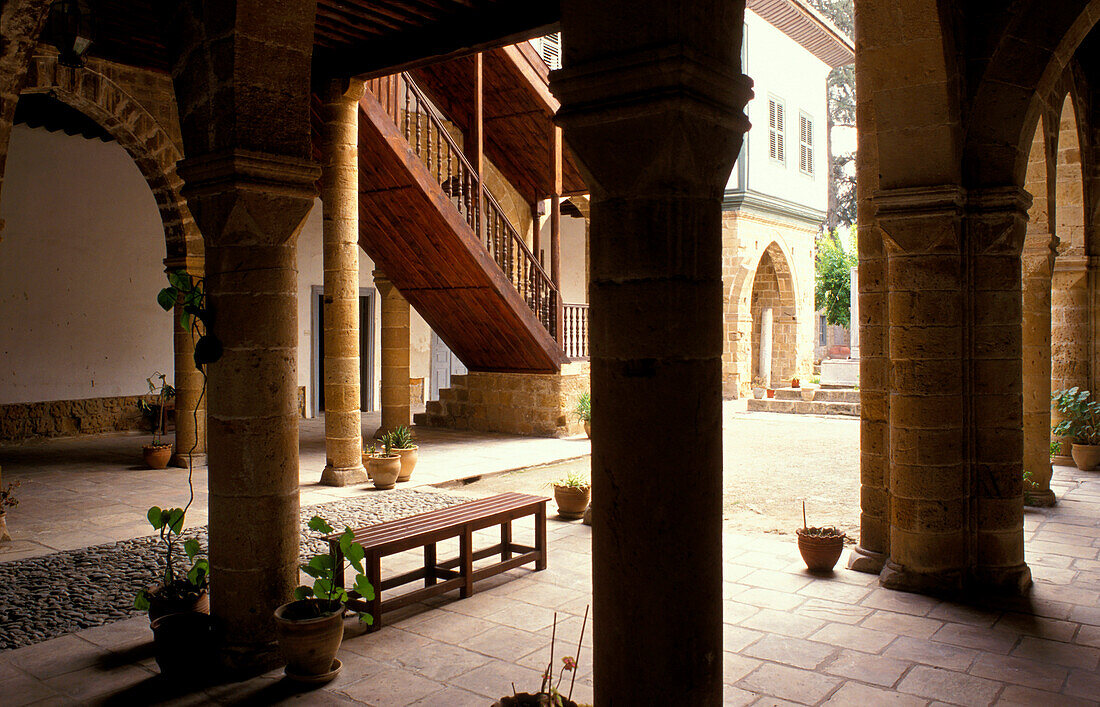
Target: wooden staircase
{"points": [[445, 242]]}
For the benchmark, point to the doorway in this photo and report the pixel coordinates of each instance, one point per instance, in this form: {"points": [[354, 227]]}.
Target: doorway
{"points": [[366, 349], [444, 365]]}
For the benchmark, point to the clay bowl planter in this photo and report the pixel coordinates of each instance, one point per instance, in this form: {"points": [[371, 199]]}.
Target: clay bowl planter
{"points": [[771, 392], [309, 642], [156, 456], [572, 501], [820, 547], [807, 395], [408, 461], [163, 603], [1086, 456], [183, 645], [385, 470], [758, 393]]}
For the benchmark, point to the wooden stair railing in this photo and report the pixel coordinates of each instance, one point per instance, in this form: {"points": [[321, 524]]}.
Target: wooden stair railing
{"points": [[426, 132], [575, 331]]}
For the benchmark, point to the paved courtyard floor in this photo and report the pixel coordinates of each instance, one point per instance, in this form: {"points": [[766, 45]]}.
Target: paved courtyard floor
{"points": [[790, 637]]}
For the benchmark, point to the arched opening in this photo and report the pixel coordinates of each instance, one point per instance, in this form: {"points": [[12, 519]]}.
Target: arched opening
{"points": [[774, 320]]}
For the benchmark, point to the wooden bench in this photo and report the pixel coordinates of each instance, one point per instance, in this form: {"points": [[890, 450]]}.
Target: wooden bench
{"points": [[426, 530]]}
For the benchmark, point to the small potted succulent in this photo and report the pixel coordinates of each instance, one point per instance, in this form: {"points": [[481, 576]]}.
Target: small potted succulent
{"points": [[401, 443], [572, 493], [820, 547], [311, 628], [7, 500], [157, 454], [385, 465], [758, 387], [1081, 422], [583, 412]]}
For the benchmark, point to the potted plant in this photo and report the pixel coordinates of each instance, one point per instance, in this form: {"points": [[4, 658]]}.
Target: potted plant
{"points": [[385, 466], [795, 382], [572, 493], [820, 547], [771, 392], [311, 628], [808, 394], [158, 453], [401, 442], [548, 693], [758, 387], [178, 590], [7, 500], [583, 411], [1081, 422]]}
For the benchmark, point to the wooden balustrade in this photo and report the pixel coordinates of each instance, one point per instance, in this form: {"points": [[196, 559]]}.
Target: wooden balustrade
{"points": [[575, 330]]}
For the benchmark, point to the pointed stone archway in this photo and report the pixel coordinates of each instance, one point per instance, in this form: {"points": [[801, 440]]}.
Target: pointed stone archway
{"points": [[773, 320]]}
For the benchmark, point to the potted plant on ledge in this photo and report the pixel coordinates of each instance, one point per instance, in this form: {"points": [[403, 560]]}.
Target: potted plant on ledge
{"points": [[311, 628], [384, 465], [583, 411], [157, 454], [1081, 422], [572, 493]]}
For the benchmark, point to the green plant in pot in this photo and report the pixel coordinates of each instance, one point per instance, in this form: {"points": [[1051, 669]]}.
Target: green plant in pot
{"points": [[401, 443], [311, 628], [583, 411], [180, 588], [572, 493], [1081, 422], [385, 464], [157, 454]]}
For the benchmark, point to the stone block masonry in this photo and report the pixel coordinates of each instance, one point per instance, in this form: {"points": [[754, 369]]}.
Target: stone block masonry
{"points": [[20, 422], [532, 404]]}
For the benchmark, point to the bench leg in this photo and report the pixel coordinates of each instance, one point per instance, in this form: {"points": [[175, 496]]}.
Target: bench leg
{"points": [[506, 541], [540, 537], [429, 564], [466, 560], [338, 573], [373, 569]]}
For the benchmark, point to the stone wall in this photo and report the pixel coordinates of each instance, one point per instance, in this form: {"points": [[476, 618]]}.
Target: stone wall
{"points": [[533, 404], [20, 422]]}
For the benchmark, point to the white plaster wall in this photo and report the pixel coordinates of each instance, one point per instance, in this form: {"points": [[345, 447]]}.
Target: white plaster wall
{"points": [[311, 273], [81, 262], [573, 255], [780, 66]]}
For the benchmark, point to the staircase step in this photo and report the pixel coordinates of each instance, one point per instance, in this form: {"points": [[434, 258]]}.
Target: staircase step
{"points": [[421, 418], [433, 407], [802, 407]]}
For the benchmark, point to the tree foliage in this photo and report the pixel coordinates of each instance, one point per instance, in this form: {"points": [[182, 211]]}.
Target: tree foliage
{"points": [[833, 286]]}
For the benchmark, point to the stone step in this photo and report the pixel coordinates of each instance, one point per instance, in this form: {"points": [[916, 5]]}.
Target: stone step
{"points": [[836, 395], [802, 407], [434, 407], [421, 418]]}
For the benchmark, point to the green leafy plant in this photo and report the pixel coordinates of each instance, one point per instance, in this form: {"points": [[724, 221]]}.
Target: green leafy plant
{"points": [[385, 446], [7, 496], [583, 409], [189, 292], [573, 480], [175, 585], [1055, 449], [156, 411], [323, 569], [833, 278], [1029, 485], [1080, 415], [401, 438]]}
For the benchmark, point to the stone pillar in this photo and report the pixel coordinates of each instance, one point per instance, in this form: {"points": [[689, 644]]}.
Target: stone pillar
{"points": [[1038, 265], [653, 113], [242, 86], [395, 393], [187, 379], [340, 201], [995, 228], [853, 323], [764, 364], [873, 325], [1069, 342]]}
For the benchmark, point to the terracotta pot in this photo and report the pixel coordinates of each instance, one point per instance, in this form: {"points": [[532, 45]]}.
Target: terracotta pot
{"points": [[5, 536], [522, 699], [571, 501], [156, 456], [758, 393], [771, 392], [408, 461], [160, 607], [1086, 456], [309, 645], [183, 645], [385, 470], [808, 395], [820, 554], [588, 429]]}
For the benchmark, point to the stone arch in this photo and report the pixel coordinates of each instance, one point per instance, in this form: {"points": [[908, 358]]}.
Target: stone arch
{"points": [[773, 287], [136, 130]]}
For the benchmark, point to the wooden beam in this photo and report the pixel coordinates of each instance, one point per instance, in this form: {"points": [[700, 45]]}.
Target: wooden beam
{"points": [[459, 35], [555, 227]]}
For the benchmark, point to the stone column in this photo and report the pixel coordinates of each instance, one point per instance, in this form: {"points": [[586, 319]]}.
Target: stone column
{"points": [[853, 324], [1069, 342], [396, 393], [929, 504], [190, 396], [995, 228], [242, 85], [340, 201], [654, 116], [764, 364], [1038, 265]]}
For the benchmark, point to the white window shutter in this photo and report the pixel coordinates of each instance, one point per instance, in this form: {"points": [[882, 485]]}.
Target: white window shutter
{"points": [[550, 48]]}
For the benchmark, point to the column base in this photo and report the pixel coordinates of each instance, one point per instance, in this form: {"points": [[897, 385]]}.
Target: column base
{"points": [[1040, 498], [1004, 581], [862, 560], [349, 476], [1063, 460], [894, 576], [243, 662], [179, 459]]}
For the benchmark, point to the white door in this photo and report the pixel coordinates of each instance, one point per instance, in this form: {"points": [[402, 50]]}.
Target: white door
{"points": [[444, 365]]}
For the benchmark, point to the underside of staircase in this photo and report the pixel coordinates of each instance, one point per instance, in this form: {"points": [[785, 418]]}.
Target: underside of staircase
{"points": [[444, 242]]}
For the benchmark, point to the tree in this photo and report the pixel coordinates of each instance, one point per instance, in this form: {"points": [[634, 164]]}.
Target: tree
{"points": [[841, 91], [833, 286]]}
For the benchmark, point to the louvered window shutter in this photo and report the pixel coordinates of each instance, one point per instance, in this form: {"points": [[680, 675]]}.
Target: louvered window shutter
{"points": [[551, 50], [806, 144], [775, 130]]}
